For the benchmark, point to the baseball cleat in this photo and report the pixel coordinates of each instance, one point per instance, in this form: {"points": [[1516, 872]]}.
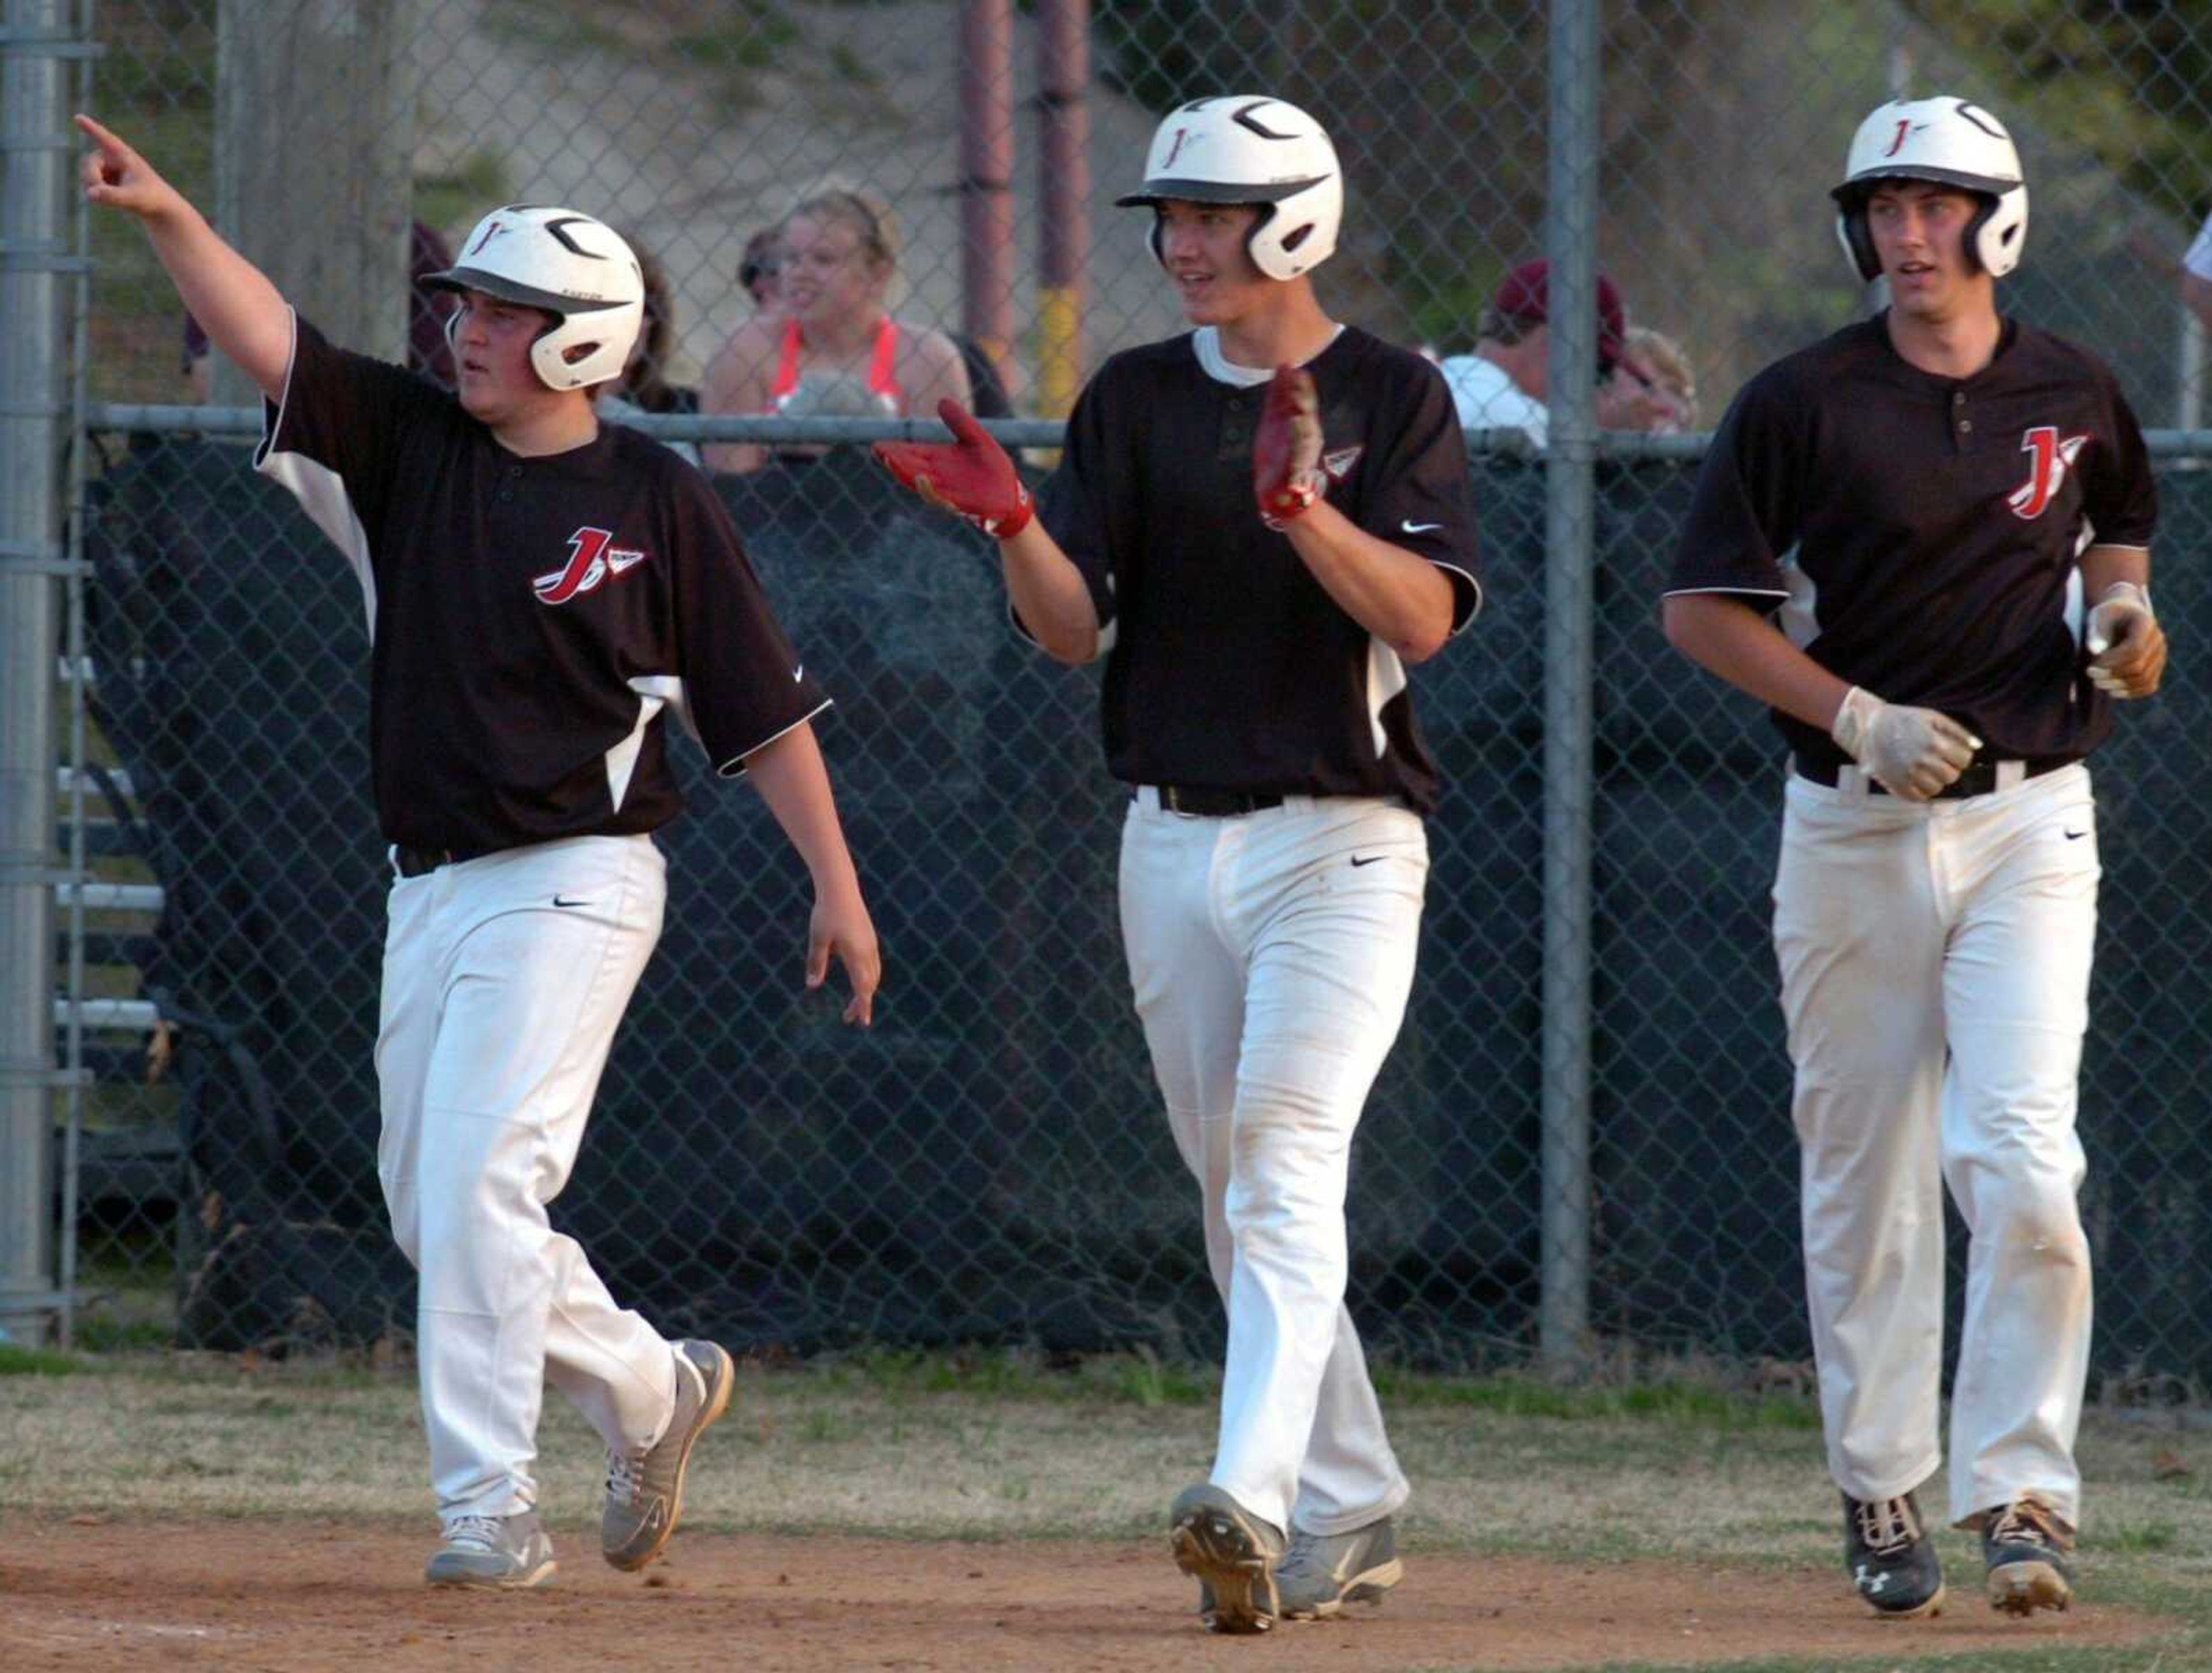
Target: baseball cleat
{"points": [[645, 1489], [495, 1553], [1891, 1560], [1322, 1573], [2025, 1548], [1231, 1553]]}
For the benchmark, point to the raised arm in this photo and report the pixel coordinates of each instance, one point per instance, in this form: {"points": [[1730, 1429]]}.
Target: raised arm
{"points": [[972, 478], [245, 316]]}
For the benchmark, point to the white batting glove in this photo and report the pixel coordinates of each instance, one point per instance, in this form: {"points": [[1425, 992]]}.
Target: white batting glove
{"points": [[2118, 619], [1912, 753]]}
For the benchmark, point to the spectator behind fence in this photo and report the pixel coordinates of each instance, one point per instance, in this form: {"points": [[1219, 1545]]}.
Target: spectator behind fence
{"points": [[643, 386], [1505, 384], [760, 268], [1653, 386], [428, 351], [833, 350]]}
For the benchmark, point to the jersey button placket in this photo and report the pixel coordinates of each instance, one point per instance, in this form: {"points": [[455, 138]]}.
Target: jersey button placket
{"points": [[1965, 426]]}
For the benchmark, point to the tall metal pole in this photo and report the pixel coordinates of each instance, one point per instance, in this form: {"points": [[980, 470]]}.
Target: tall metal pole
{"points": [[987, 169], [35, 152], [1064, 192], [1571, 243]]}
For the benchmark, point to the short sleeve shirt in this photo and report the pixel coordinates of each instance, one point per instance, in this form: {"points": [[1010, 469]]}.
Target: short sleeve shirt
{"points": [[1918, 533], [1228, 665], [1488, 399], [533, 621]]}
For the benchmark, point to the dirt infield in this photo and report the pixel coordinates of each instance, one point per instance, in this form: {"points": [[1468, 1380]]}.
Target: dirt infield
{"points": [[258, 1595]]}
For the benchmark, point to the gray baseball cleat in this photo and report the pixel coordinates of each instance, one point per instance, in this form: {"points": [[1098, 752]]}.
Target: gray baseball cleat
{"points": [[1322, 1573], [503, 1553], [645, 1489], [2025, 1548], [1231, 1553]]}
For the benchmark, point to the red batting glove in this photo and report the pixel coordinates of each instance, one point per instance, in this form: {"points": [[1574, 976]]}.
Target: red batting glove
{"points": [[1287, 476], [971, 476]]}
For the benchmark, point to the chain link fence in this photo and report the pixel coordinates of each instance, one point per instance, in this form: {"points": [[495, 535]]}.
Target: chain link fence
{"points": [[988, 1163]]}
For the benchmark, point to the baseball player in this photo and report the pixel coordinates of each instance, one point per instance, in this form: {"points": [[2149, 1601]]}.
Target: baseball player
{"points": [[1258, 524], [543, 593], [1890, 544]]}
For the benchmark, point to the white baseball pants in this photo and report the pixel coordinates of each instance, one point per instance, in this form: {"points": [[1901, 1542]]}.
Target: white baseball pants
{"points": [[499, 1009], [1936, 979], [1272, 955]]}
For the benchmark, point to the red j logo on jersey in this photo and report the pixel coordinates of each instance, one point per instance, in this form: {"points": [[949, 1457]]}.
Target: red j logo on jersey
{"points": [[2048, 461], [593, 558]]}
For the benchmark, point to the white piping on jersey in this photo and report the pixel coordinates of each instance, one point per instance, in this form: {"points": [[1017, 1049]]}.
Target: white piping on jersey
{"points": [[319, 489], [655, 692], [1205, 343], [1474, 585], [1386, 678], [735, 766]]}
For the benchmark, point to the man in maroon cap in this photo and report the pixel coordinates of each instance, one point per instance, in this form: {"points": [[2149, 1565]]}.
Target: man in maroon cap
{"points": [[1503, 384]]}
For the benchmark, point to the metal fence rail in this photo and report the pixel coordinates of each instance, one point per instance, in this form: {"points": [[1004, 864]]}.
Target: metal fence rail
{"points": [[1583, 1136]]}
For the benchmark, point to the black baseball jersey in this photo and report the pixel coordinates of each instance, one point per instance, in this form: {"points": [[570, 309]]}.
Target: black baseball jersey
{"points": [[532, 621], [1918, 532], [1228, 666]]}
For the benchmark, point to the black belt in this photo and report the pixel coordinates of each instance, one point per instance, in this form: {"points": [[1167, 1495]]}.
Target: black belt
{"points": [[1212, 803], [1979, 779], [421, 861]]}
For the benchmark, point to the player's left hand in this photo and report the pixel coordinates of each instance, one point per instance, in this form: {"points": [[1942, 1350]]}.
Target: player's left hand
{"points": [[840, 927], [2126, 645], [1287, 476]]}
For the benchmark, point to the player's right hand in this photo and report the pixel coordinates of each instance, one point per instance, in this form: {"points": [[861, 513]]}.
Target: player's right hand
{"points": [[118, 176], [971, 476], [1912, 753]]}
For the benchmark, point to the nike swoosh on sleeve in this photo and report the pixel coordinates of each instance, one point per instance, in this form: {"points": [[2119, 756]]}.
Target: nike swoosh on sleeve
{"points": [[1413, 528]]}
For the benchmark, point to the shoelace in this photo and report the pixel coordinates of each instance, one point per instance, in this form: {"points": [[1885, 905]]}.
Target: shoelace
{"points": [[2025, 1522], [484, 1532], [625, 1476], [1885, 1526]]}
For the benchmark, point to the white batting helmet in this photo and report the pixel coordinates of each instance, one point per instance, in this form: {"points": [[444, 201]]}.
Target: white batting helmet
{"points": [[1247, 148], [1946, 140], [569, 265]]}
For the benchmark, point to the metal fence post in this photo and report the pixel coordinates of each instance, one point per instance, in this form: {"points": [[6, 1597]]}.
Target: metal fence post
{"points": [[1570, 245], [33, 151]]}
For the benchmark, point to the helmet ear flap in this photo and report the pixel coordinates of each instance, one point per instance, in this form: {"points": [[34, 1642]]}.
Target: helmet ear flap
{"points": [[1858, 241]]}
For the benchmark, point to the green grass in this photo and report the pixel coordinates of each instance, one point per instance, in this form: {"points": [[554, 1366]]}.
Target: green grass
{"points": [[16, 1362]]}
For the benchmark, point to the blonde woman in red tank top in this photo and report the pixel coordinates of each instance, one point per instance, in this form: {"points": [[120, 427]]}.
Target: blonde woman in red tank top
{"points": [[832, 347]]}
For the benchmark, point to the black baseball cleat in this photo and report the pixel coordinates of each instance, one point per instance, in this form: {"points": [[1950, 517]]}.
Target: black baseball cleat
{"points": [[1891, 1560], [2026, 1548]]}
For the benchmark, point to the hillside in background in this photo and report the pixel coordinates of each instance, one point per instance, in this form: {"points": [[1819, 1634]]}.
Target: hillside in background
{"points": [[693, 122]]}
